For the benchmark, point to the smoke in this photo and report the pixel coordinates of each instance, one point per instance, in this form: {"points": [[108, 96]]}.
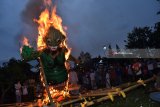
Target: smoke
{"points": [[31, 11], [95, 23]]}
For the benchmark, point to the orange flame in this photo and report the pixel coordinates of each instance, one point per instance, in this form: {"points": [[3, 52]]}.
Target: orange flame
{"points": [[57, 21], [25, 42], [45, 21], [42, 29]]}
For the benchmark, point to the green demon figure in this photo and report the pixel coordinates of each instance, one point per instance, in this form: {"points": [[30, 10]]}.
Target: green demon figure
{"points": [[52, 57]]}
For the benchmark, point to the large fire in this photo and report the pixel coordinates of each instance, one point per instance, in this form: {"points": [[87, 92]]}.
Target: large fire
{"points": [[47, 19]]}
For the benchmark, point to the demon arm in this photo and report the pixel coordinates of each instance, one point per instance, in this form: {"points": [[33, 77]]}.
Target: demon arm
{"points": [[28, 53]]}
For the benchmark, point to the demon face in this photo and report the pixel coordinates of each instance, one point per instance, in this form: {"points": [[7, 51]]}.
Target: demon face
{"points": [[54, 39]]}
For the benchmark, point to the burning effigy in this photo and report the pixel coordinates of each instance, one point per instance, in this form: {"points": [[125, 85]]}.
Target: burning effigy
{"points": [[52, 52]]}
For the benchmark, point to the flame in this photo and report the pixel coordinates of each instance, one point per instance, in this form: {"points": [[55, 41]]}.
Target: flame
{"points": [[57, 95], [57, 21], [25, 42], [45, 21], [42, 29]]}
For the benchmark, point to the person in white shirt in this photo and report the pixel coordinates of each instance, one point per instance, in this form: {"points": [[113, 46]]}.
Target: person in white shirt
{"points": [[73, 79], [137, 70], [92, 77], [108, 84], [25, 92], [18, 92]]}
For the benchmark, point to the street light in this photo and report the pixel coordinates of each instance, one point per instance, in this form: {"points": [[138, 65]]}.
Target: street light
{"points": [[105, 49]]}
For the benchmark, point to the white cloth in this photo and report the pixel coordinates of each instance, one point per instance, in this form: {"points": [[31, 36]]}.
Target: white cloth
{"points": [[25, 91], [92, 76], [107, 80], [18, 88], [73, 79], [139, 72]]}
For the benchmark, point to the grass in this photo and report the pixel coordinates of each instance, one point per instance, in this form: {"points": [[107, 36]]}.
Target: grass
{"points": [[135, 98]]}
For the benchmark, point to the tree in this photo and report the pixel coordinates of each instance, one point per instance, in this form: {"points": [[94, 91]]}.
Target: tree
{"points": [[84, 57], [138, 38], [144, 38], [11, 72], [154, 39], [85, 60]]}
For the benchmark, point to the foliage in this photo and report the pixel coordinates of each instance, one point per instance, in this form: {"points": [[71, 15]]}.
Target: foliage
{"points": [[84, 57], [85, 60], [144, 42], [144, 37], [154, 40], [139, 38], [12, 71]]}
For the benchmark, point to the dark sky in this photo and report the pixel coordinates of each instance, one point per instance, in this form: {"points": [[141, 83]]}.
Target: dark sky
{"points": [[91, 23]]}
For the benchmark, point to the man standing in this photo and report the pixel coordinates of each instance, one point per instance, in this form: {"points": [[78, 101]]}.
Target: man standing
{"points": [[137, 69], [25, 92], [73, 78], [108, 85], [18, 92], [73, 81], [92, 77]]}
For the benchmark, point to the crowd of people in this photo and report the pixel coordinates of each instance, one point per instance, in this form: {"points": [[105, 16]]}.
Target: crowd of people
{"points": [[21, 92], [25, 91], [110, 74], [101, 75]]}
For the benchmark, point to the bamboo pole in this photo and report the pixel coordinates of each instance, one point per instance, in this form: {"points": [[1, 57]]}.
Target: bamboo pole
{"points": [[45, 82], [102, 92], [113, 92]]}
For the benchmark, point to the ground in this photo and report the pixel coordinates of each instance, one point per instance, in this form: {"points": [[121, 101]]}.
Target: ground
{"points": [[135, 98]]}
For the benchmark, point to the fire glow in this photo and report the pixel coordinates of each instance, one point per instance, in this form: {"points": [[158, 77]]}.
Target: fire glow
{"points": [[25, 42], [46, 20]]}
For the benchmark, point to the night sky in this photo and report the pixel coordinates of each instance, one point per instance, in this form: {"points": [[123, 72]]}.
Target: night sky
{"points": [[91, 23]]}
